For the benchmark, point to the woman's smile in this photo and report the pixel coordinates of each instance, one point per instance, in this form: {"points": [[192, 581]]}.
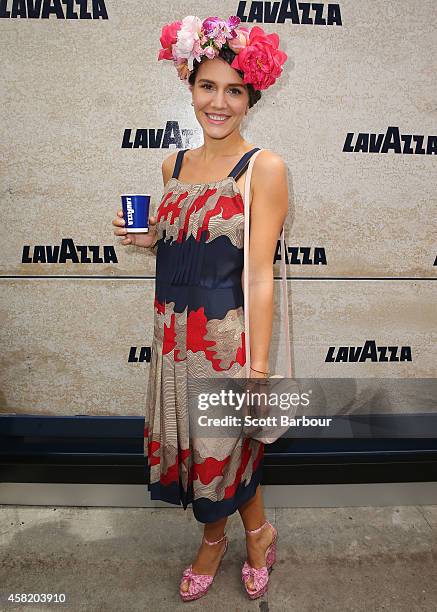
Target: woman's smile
{"points": [[216, 118]]}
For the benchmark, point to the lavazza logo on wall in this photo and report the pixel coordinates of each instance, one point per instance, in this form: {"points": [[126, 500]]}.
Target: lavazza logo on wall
{"points": [[311, 13], [369, 352], [67, 251], [144, 354], [305, 256], [158, 138], [392, 140], [57, 9]]}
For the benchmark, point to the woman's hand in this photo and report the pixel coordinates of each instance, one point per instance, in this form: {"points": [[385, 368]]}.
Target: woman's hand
{"points": [[144, 240]]}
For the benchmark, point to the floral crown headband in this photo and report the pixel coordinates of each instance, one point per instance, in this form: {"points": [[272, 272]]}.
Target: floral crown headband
{"points": [[257, 53]]}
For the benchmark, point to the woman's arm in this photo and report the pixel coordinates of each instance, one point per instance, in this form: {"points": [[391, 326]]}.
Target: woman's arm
{"points": [[268, 213]]}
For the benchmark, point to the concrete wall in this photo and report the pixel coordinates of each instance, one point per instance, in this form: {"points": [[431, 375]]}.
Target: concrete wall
{"points": [[76, 96]]}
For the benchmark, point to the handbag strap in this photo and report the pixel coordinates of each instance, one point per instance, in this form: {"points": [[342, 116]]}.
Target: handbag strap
{"points": [[286, 321]]}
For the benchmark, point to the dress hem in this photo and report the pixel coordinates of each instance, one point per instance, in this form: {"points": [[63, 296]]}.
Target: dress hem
{"points": [[205, 510]]}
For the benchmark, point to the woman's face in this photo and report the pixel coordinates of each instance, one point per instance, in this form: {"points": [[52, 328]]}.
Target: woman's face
{"points": [[219, 90]]}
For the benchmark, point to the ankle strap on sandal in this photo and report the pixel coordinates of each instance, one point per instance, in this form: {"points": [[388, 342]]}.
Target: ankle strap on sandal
{"points": [[216, 541], [259, 528]]}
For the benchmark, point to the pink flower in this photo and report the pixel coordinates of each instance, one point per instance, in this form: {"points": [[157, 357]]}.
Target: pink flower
{"points": [[210, 52], [188, 43], [220, 30], [232, 23], [220, 39], [240, 41], [261, 61], [168, 38], [211, 26]]}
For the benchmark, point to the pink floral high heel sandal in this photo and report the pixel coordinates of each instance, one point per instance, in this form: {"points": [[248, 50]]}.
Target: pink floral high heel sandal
{"points": [[260, 576], [199, 583]]}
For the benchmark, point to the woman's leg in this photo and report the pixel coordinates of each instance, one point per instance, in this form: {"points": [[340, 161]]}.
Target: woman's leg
{"points": [[252, 515], [208, 557]]}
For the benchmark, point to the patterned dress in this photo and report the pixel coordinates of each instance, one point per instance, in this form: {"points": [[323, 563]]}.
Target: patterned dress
{"points": [[198, 332]]}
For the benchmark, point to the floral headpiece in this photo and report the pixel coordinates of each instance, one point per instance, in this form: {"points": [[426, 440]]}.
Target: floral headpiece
{"points": [[257, 53]]}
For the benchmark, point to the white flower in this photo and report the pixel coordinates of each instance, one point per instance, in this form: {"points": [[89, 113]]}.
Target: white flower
{"points": [[188, 44]]}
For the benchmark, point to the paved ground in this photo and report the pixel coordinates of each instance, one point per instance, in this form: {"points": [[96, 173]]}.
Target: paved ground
{"points": [[117, 559]]}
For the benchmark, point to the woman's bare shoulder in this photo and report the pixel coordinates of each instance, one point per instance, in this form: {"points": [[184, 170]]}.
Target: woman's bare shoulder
{"points": [[268, 160], [170, 160], [168, 164], [268, 167]]}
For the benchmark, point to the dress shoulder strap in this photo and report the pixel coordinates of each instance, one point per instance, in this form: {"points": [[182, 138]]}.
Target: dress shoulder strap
{"points": [[241, 166], [236, 172], [178, 163]]}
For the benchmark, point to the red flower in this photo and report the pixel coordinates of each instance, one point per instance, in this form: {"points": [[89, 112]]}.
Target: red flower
{"points": [[168, 38], [261, 61]]}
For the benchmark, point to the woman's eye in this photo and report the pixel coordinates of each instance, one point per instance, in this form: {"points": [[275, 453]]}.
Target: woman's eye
{"points": [[208, 85]]}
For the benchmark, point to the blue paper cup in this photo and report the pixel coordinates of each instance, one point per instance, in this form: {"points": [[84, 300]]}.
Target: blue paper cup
{"points": [[136, 212]]}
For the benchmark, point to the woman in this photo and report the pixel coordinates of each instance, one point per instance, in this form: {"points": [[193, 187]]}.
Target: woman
{"points": [[197, 236]]}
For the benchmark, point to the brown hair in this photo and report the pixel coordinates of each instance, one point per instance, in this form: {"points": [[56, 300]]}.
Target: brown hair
{"points": [[228, 55]]}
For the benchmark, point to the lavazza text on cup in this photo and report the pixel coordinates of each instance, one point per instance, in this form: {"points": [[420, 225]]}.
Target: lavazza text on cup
{"points": [[136, 212]]}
